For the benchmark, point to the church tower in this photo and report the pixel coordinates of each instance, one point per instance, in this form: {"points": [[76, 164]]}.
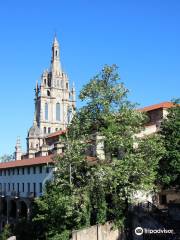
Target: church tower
{"points": [[54, 101]]}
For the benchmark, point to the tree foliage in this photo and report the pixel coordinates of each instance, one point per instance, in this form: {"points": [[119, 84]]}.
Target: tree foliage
{"points": [[6, 158], [169, 168], [6, 233], [83, 193]]}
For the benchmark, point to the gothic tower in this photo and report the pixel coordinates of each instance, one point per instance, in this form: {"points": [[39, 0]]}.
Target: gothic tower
{"points": [[54, 102]]}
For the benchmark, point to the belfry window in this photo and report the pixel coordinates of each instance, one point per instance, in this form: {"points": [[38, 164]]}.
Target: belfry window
{"points": [[49, 82], [56, 53], [48, 93], [46, 111], [57, 112]]}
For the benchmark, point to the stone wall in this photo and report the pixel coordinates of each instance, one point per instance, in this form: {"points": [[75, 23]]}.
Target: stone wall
{"points": [[98, 232]]}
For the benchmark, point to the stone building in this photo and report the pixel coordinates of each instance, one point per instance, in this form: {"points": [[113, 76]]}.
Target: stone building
{"points": [[54, 104]]}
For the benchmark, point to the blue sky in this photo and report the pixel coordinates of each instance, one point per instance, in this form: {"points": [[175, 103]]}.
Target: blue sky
{"points": [[141, 37]]}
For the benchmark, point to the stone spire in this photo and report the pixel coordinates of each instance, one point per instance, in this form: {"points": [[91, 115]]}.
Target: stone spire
{"points": [[55, 61], [18, 151]]}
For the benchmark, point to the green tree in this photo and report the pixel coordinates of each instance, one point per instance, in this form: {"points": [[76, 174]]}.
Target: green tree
{"points": [[83, 193], [6, 158], [6, 233], [169, 167]]}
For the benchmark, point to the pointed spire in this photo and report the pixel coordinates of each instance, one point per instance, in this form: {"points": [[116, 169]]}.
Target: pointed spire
{"points": [[34, 121], [18, 151], [55, 42], [18, 142], [55, 61]]}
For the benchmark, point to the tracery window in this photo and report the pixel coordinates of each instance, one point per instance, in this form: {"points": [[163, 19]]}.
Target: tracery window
{"points": [[57, 111]]}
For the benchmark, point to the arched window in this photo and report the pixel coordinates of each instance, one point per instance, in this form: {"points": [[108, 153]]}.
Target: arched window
{"points": [[49, 82], [48, 93], [57, 111], [56, 53], [46, 111]]}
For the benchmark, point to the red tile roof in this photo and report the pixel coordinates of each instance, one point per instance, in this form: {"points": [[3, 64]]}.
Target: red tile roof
{"points": [[27, 162], [156, 106], [55, 134]]}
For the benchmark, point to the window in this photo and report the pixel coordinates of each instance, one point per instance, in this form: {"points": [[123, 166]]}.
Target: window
{"points": [[8, 172], [28, 170], [57, 111], [40, 169], [22, 171], [44, 130], [49, 130], [0, 186], [45, 81], [13, 171], [56, 129], [4, 187], [9, 187], [13, 186], [48, 93], [28, 187], [18, 187], [17, 171], [22, 187], [34, 170], [67, 85], [40, 187], [49, 82], [56, 53], [34, 188], [46, 111], [0, 173], [4, 172]]}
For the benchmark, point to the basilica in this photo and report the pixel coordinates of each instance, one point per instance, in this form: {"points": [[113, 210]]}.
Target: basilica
{"points": [[54, 106]]}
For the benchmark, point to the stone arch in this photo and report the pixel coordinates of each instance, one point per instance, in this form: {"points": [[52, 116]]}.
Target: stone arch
{"points": [[23, 209], [4, 207], [12, 208]]}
